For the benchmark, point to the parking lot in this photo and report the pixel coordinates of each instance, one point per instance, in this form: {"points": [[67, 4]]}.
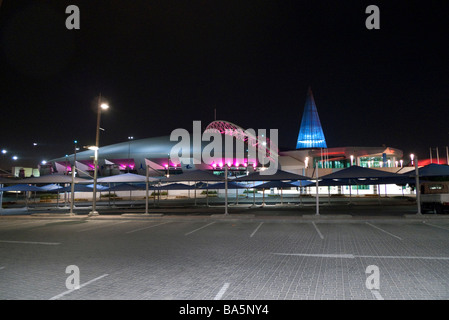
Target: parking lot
{"points": [[207, 257]]}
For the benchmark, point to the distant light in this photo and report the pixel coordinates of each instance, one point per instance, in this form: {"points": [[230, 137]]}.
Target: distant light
{"points": [[44, 162], [4, 151], [220, 164], [104, 106], [214, 165], [75, 141], [229, 163], [15, 158], [92, 148], [34, 143]]}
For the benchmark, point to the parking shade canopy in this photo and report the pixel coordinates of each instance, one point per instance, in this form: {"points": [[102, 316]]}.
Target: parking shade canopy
{"points": [[125, 178], [51, 178], [222, 185], [193, 175], [275, 184], [280, 175], [431, 170], [356, 175], [173, 186], [21, 187], [126, 187], [355, 172]]}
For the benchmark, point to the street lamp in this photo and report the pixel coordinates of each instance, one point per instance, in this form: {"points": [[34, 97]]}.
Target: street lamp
{"points": [[101, 106], [129, 151]]}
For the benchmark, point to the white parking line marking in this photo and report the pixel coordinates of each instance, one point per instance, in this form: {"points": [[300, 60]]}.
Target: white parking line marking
{"points": [[199, 228], [377, 294], [352, 256], [102, 226], [144, 228], [222, 291], [254, 232], [433, 225], [71, 290], [2, 268], [32, 242], [383, 231], [317, 230], [345, 256]]}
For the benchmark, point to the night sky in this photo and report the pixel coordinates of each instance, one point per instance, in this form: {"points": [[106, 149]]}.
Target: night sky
{"points": [[163, 64]]}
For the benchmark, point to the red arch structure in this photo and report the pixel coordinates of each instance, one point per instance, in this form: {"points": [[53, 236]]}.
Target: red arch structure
{"points": [[256, 141]]}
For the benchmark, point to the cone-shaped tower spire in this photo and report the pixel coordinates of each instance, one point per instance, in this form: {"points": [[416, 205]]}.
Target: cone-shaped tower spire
{"points": [[311, 133]]}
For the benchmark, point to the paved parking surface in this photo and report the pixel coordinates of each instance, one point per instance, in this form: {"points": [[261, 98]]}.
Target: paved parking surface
{"points": [[201, 258]]}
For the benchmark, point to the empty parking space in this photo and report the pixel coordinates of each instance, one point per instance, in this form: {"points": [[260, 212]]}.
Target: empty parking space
{"points": [[224, 259]]}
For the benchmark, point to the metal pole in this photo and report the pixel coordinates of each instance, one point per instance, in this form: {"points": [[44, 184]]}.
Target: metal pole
{"points": [[226, 189], [438, 156], [72, 189], [417, 191], [317, 195], [94, 212], [447, 155], [146, 191]]}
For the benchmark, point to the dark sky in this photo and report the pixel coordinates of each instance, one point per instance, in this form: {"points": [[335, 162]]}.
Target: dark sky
{"points": [[163, 64]]}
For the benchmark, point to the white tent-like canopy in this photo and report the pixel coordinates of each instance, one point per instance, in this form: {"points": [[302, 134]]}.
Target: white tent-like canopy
{"points": [[50, 179], [125, 178]]}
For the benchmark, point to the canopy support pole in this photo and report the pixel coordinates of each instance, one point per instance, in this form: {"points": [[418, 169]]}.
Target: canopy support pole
{"points": [[417, 189], [146, 190], [317, 193]]}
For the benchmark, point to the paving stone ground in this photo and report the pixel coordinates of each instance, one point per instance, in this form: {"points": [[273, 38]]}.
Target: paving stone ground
{"points": [[172, 257]]}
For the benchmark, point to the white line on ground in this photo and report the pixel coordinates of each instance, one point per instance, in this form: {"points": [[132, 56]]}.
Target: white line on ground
{"points": [[2, 268], [351, 256], [377, 294], [317, 230], [433, 225], [144, 228], [71, 290], [32, 242], [199, 228], [222, 291], [383, 231], [254, 232], [102, 226], [346, 256]]}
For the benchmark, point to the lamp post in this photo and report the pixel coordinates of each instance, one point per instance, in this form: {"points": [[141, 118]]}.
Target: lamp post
{"points": [[72, 187], [101, 106], [226, 189], [129, 151]]}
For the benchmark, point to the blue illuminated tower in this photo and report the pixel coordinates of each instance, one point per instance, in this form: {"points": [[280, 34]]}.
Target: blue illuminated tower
{"points": [[311, 133]]}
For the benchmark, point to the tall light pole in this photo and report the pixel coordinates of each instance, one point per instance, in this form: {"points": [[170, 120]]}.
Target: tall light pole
{"points": [[101, 106], [417, 188], [72, 188], [129, 151]]}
